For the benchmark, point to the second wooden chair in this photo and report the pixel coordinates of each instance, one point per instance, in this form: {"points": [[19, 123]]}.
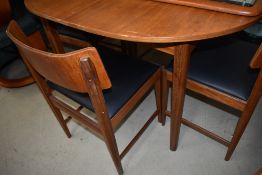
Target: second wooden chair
{"points": [[220, 70]]}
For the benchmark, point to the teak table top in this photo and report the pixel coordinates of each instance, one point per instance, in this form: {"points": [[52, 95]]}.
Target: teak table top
{"points": [[140, 20]]}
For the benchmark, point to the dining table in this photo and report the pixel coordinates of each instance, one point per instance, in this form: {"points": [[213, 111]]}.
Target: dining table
{"points": [[173, 26]]}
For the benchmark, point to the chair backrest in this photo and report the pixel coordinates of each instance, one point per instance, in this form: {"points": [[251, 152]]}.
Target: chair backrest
{"points": [[62, 69], [256, 62]]}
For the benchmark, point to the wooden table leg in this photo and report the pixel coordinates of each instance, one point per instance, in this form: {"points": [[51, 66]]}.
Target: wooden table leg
{"points": [[129, 48], [182, 54], [53, 37]]}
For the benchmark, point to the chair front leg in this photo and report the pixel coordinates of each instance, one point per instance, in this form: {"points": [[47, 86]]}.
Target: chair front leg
{"points": [[111, 144], [245, 116], [240, 128]]}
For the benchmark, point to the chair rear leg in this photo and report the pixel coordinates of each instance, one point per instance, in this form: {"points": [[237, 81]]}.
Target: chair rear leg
{"points": [[46, 93], [245, 116], [158, 100], [164, 96], [61, 120]]}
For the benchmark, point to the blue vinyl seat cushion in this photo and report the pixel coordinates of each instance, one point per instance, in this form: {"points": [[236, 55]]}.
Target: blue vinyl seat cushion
{"points": [[223, 64], [127, 75]]}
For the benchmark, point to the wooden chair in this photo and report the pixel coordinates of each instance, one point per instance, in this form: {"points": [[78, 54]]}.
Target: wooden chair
{"points": [[227, 70], [110, 87]]}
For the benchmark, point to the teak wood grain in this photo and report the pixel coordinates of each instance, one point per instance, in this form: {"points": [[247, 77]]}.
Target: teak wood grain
{"points": [[140, 20], [55, 66]]}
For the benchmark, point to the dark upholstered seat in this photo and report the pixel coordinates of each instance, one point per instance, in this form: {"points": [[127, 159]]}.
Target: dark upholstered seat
{"points": [[224, 65], [126, 74]]}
